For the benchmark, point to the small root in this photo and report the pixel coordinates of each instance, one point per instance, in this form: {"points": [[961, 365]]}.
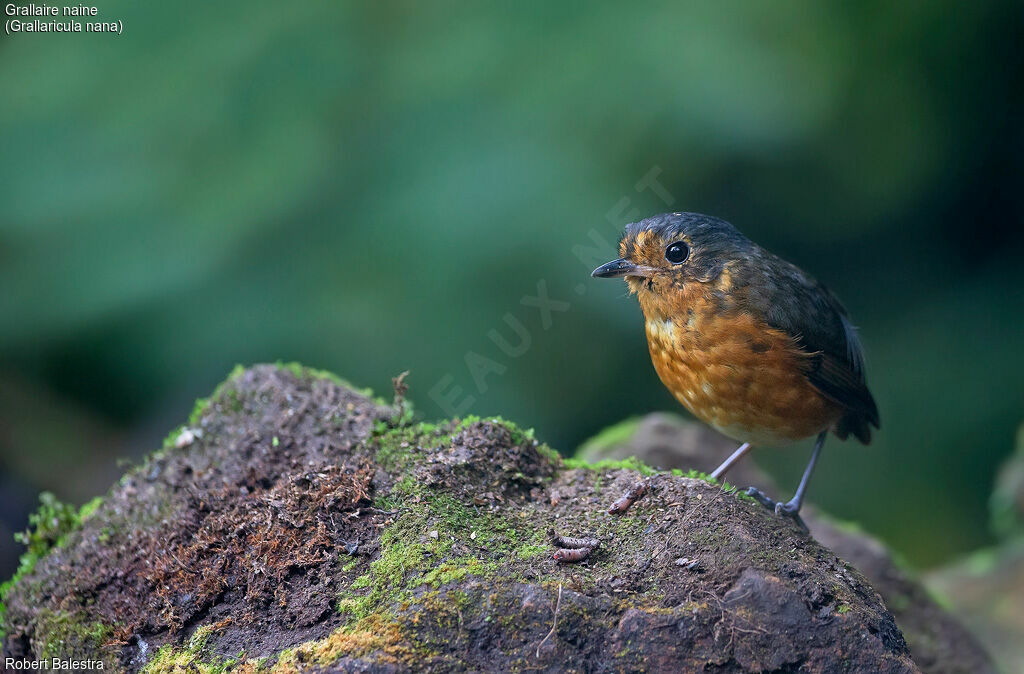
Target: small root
{"points": [[554, 622]]}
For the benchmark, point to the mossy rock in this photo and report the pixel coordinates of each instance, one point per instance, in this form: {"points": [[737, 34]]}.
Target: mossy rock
{"points": [[938, 639], [298, 524]]}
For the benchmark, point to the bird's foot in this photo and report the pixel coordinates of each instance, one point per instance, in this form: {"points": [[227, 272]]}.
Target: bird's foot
{"points": [[761, 497], [789, 509]]}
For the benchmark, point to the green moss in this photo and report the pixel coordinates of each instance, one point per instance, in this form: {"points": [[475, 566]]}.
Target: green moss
{"points": [[373, 634], [844, 608], [589, 457], [531, 550], [416, 550], [198, 410], [398, 444], [421, 548], [62, 634], [48, 528], [229, 398], [49, 524], [424, 551], [202, 404], [304, 373], [391, 576], [397, 447], [549, 454], [519, 435], [172, 437], [193, 657], [88, 508], [454, 570], [356, 607], [630, 463]]}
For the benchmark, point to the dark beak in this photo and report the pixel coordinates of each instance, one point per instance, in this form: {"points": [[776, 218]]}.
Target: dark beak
{"points": [[619, 268]]}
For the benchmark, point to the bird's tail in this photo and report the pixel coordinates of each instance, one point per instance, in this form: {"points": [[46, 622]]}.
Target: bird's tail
{"points": [[857, 425]]}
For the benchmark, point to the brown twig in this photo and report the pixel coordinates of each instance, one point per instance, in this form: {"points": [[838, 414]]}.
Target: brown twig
{"points": [[399, 403]]}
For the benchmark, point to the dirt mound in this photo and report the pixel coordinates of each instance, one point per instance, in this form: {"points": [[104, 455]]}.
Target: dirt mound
{"points": [[938, 642], [297, 524], [242, 527]]}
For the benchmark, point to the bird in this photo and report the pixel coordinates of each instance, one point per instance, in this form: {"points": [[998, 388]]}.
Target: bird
{"points": [[749, 343]]}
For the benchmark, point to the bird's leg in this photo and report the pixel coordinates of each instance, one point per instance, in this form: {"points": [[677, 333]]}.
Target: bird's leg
{"points": [[733, 458], [792, 507], [794, 504]]}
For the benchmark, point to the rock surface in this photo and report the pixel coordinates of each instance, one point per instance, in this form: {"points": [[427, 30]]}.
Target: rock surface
{"points": [[299, 525], [938, 642]]}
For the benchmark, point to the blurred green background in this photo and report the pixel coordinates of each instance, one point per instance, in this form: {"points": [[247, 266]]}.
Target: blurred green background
{"points": [[375, 187]]}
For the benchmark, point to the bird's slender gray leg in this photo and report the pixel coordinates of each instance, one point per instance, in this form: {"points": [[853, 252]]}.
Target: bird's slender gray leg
{"points": [[792, 507], [794, 504], [728, 463]]}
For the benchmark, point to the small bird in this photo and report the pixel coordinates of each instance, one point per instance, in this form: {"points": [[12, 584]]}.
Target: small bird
{"points": [[749, 343]]}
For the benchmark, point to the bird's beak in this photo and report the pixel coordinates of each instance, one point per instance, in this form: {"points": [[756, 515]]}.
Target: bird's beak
{"points": [[619, 268]]}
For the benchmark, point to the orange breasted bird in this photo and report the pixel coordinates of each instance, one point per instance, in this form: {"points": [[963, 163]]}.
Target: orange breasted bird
{"points": [[749, 343]]}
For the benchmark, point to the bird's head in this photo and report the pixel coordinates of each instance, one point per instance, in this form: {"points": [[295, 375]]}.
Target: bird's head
{"points": [[663, 254]]}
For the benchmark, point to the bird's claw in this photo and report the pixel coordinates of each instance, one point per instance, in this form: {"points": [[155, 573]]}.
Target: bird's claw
{"points": [[760, 497], [787, 509]]}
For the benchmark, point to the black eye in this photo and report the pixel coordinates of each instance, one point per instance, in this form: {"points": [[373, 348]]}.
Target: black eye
{"points": [[677, 252]]}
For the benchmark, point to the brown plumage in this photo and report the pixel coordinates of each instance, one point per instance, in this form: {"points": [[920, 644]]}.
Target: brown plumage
{"points": [[739, 375], [746, 341]]}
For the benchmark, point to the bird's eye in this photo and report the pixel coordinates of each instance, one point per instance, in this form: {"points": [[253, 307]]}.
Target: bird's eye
{"points": [[677, 252]]}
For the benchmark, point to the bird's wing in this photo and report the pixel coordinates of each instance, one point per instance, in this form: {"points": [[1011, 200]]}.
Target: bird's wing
{"points": [[807, 311]]}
